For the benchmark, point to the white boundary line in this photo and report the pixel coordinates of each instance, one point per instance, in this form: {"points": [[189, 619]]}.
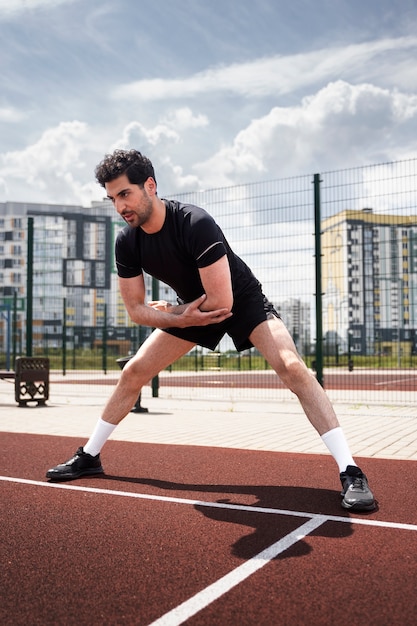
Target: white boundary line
{"points": [[391, 382], [215, 505], [203, 598]]}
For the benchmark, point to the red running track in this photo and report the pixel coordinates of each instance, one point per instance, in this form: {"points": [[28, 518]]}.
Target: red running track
{"points": [[369, 380], [383, 380], [202, 536]]}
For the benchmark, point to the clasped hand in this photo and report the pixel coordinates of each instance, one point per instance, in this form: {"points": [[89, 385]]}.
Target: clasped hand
{"points": [[190, 314]]}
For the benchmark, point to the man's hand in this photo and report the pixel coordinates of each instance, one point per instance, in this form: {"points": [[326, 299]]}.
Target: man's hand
{"points": [[191, 315], [162, 314], [160, 305]]}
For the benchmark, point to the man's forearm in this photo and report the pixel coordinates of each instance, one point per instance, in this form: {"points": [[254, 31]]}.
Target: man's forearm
{"points": [[162, 315], [146, 315]]}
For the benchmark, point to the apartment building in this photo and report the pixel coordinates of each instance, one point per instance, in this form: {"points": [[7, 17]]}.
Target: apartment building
{"points": [[73, 274], [370, 282], [296, 315]]}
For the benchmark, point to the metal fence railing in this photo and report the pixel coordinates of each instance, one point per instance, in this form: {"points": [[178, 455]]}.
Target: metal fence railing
{"points": [[368, 301]]}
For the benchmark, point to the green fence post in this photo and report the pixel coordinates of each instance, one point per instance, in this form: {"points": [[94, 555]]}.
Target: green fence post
{"points": [[64, 337], [318, 294], [104, 341], [29, 291], [14, 330], [155, 379]]}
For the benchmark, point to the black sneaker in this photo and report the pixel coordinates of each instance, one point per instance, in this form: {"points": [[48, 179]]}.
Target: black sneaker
{"points": [[81, 464], [355, 490]]}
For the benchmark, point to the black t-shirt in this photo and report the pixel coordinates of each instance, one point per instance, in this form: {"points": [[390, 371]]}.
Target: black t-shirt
{"points": [[188, 240]]}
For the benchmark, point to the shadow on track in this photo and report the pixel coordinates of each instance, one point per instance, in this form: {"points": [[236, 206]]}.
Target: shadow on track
{"points": [[268, 527]]}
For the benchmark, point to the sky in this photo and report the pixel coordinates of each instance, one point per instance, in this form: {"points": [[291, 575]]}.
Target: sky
{"points": [[215, 92]]}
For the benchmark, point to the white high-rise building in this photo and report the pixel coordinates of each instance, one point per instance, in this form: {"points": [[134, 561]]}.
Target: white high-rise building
{"points": [[369, 281]]}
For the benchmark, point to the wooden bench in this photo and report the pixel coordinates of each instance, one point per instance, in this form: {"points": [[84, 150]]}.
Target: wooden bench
{"points": [[31, 380]]}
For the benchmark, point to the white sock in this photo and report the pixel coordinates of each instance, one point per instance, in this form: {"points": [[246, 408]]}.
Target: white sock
{"points": [[100, 434], [337, 445]]}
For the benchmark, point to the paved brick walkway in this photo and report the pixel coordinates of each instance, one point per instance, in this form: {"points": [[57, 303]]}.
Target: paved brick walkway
{"points": [[373, 429]]}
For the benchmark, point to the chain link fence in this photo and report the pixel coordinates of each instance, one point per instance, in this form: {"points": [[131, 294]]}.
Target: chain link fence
{"points": [[364, 340]]}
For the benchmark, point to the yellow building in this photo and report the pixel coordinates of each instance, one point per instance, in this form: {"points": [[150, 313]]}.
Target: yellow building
{"points": [[369, 280]]}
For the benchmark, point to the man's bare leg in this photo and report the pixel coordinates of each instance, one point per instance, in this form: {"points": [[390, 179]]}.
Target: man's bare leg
{"points": [[274, 342], [155, 354], [272, 339]]}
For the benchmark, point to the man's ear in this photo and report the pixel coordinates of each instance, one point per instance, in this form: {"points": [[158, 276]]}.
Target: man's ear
{"points": [[150, 186]]}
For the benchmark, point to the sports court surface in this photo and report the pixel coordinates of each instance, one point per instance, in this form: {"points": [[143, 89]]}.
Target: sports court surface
{"points": [[197, 534]]}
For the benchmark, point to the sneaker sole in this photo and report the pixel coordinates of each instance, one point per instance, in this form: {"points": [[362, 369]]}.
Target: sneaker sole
{"points": [[357, 506], [55, 477]]}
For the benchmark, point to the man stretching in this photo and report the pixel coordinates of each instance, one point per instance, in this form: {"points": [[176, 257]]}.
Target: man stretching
{"points": [[181, 245]]}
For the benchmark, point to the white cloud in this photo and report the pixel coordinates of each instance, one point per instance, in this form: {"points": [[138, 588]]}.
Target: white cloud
{"points": [[184, 119], [50, 170], [392, 190], [10, 115], [162, 135], [59, 167], [340, 126], [13, 8], [337, 127], [168, 129], [278, 75], [137, 133]]}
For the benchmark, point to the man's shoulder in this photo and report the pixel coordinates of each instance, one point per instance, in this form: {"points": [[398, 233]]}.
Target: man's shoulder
{"points": [[186, 212], [176, 206], [125, 234]]}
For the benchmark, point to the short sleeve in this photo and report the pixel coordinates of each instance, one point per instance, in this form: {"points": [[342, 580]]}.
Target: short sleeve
{"points": [[127, 254], [212, 254], [206, 239]]}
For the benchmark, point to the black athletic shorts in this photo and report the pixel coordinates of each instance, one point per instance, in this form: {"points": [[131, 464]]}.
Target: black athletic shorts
{"points": [[251, 310]]}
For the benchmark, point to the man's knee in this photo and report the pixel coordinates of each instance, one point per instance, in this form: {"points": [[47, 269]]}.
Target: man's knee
{"points": [[294, 373], [133, 374]]}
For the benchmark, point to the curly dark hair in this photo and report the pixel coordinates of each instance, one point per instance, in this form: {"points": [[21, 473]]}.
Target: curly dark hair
{"points": [[137, 167]]}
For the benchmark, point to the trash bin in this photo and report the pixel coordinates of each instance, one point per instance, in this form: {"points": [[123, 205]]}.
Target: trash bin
{"points": [[138, 408], [31, 380]]}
